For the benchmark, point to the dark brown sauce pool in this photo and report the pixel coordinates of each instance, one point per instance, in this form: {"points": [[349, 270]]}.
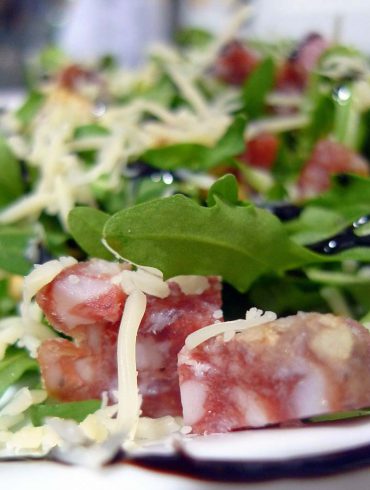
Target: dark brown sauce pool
{"points": [[257, 471]]}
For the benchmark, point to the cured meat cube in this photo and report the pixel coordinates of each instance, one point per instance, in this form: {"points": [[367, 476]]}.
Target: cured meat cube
{"points": [[261, 151], [235, 63], [288, 369], [329, 158], [85, 302], [295, 72]]}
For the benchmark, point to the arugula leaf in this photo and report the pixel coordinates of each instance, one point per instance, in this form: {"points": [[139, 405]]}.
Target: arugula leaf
{"points": [[14, 244], [256, 88], [331, 212], [148, 189], [331, 417], [225, 188], [52, 59], [314, 224], [89, 130], [347, 121], [349, 195], [13, 366], [86, 226], [178, 236], [163, 92], [77, 411], [30, 107], [200, 157], [11, 185], [286, 295], [7, 302], [193, 37], [321, 119]]}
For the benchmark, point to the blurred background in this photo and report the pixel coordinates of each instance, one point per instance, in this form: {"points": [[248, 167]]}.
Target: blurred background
{"points": [[86, 29]]}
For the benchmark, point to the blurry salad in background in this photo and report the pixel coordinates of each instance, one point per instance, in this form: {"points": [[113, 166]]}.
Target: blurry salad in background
{"points": [[241, 142]]}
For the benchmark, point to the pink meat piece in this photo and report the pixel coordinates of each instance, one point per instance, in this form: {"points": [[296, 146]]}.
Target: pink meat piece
{"points": [[327, 159], [292, 368], [83, 303], [295, 72]]}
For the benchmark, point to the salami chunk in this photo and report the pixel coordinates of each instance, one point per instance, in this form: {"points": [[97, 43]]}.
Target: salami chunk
{"points": [[292, 368], [261, 151], [329, 158], [85, 302], [295, 72], [235, 63]]}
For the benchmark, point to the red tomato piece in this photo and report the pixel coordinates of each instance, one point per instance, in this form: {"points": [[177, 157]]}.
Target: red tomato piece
{"points": [[328, 158], [235, 63]]}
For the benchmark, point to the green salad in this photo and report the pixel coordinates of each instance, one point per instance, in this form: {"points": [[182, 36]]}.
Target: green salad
{"points": [[228, 157]]}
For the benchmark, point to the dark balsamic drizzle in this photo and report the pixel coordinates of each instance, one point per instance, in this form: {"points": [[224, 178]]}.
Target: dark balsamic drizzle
{"points": [[344, 240], [284, 211], [139, 170], [239, 471]]}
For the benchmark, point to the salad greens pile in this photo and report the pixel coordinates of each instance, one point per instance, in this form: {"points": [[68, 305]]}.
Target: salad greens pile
{"points": [[188, 203]]}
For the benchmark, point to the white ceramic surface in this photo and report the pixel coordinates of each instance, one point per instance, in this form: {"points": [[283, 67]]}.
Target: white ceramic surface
{"points": [[256, 445]]}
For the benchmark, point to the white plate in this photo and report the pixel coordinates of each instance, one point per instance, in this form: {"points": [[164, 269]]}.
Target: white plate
{"points": [[275, 456]]}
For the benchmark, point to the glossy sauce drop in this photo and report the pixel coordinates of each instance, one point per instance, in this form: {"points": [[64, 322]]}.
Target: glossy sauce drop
{"points": [[344, 240]]}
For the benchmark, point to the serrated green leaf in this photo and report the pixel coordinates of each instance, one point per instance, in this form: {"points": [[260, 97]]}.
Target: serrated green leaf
{"points": [[86, 226], [225, 188], [199, 157], [178, 236]]}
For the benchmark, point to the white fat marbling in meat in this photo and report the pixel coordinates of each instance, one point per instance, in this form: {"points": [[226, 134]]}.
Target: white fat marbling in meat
{"points": [[86, 301], [194, 397], [288, 369]]}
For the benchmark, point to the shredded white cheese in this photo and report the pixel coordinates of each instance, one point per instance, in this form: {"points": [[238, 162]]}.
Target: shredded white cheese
{"points": [[42, 275], [33, 330], [22, 400], [128, 396], [253, 318], [155, 429], [191, 284], [144, 281], [11, 330]]}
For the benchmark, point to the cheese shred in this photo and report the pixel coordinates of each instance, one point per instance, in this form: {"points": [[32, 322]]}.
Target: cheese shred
{"points": [[253, 318], [128, 396]]}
